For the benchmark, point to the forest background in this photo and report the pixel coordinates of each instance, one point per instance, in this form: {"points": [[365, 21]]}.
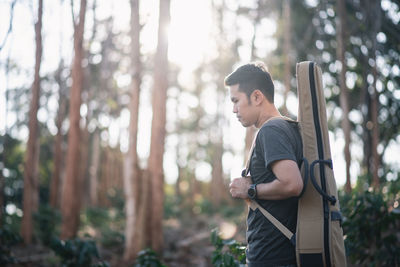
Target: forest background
{"points": [[116, 130]]}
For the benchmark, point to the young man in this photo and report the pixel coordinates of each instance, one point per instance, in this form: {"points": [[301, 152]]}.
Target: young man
{"points": [[275, 180]]}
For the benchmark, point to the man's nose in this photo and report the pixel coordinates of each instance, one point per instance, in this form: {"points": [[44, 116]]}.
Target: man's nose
{"points": [[234, 110]]}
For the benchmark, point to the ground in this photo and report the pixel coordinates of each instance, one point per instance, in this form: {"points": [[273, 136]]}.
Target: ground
{"points": [[186, 243]]}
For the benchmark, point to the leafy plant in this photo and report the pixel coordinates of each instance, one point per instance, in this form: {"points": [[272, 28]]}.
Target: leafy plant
{"points": [[371, 229], [8, 238], [148, 258], [76, 252], [227, 252]]}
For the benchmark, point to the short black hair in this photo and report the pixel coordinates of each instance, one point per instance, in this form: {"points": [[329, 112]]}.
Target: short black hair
{"points": [[250, 77]]}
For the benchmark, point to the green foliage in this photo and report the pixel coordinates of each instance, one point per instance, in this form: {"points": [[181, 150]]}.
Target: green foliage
{"points": [[371, 227], [77, 252], [8, 238], [148, 258], [46, 161], [172, 206], [12, 166], [12, 221], [234, 210], [46, 221], [117, 200], [108, 222], [204, 205], [227, 252], [97, 217], [111, 238]]}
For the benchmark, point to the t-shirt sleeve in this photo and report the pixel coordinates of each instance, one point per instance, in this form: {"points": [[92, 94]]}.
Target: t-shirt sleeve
{"points": [[275, 145]]}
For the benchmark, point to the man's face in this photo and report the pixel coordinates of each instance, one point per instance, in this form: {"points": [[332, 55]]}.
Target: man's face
{"points": [[242, 107]]}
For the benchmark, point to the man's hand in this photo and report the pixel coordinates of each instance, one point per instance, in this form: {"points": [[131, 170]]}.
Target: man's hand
{"points": [[239, 186]]}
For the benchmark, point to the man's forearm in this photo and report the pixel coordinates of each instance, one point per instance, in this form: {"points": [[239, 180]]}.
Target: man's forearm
{"points": [[276, 190], [288, 183]]}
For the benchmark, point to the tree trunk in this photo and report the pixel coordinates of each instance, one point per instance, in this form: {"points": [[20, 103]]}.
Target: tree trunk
{"points": [[155, 165], [178, 151], [103, 178], [217, 182], [94, 169], [1, 187], [70, 197], [218, 190], [30, 171], [344, 92], [287, 48], [178, 193], [365, 99], [83, 164], [250, 131], [375, 133], [58, 151], [255, 24], [375, 15], [132, 179]]}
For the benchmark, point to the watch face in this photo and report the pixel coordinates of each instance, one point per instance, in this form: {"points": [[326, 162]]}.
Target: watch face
{"points": [[252, 191]]}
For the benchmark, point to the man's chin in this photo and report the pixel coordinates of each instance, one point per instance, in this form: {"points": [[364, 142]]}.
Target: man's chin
{"points": [[244, 123]]}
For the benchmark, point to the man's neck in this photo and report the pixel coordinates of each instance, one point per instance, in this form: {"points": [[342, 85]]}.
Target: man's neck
{"points": [[267, 115]]}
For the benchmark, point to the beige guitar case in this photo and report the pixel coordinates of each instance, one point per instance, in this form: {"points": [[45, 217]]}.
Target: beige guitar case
{"points": [[319, 236]]}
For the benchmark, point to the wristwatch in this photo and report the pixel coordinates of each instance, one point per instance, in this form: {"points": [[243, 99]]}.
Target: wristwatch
{"points": [[252, 191]]}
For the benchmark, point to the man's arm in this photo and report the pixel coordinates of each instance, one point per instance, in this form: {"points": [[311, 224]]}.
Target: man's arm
{"points": [[288, 183]]}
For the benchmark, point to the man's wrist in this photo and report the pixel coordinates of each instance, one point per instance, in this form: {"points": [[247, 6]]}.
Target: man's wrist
{"points": [[252, 191]]}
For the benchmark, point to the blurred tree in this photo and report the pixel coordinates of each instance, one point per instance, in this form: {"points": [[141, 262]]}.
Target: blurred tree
{"points": [[2, 183], [287, 48], [102, 98], [55, 186], [374, 15], [251, 131], [31, 185], [12, 5], [70, 203], [110, 180], [132, 178], [225, 61], [344, 92], [178, 151], [319, 41], [88, 95], [94, 169], [155, 161], [374, 54]]}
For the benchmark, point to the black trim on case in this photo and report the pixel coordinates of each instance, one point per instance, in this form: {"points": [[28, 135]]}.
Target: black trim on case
{"points": [[321, 157], [311, 259]]}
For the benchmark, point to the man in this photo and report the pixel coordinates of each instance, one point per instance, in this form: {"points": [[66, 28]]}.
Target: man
{"points": [[275, 181]]}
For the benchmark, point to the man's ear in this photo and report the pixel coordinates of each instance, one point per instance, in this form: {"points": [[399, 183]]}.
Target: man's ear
{"points": [[257, 96]]}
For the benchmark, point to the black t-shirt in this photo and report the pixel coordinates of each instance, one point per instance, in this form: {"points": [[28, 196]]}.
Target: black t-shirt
{"points": [[278, 139]]}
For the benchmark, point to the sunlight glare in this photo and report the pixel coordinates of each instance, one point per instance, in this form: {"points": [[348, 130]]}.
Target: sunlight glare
{"points": [[189, 31]]}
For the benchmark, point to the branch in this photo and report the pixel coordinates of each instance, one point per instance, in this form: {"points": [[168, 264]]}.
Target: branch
{"points": [[10, 26], [72, 14]]}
